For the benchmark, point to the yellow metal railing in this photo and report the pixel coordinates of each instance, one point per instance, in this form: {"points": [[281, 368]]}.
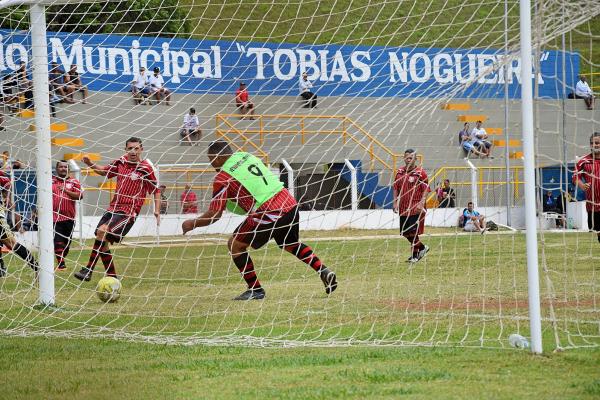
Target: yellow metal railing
{"points": [[442, 173], [347, 129]]}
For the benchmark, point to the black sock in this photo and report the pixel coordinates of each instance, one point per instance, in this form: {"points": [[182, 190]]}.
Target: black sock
{"points": [[26, 255], [244, 264]]}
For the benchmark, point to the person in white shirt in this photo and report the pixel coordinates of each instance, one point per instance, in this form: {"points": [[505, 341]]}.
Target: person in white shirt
{"points": [[306, 92], [157, 86], [191, 127], [140, 87], [583, 91], [480, 137]]}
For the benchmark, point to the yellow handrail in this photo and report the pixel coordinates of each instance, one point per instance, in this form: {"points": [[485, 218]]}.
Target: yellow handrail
{"points": [[222, 134]]}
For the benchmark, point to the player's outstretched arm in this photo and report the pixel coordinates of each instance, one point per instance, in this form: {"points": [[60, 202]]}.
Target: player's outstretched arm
{"points": [[99, 169], [208, 218]]}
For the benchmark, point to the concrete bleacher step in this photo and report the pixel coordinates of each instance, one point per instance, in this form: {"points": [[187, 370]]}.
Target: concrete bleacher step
{"points": [[67, 142], [471, 118], [456, 106], [26, 113], [79, 156], [515, 155], [54, 127], [494, 131], [511, 143]]}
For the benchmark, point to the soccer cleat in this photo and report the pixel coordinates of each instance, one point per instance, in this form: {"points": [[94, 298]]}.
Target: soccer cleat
{"points": [[412, 259], [85, 274], [252, 294], [422, 252], [61, 267], [329, 279]]}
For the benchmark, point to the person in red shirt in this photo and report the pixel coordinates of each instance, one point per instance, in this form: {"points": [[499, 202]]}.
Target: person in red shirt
{"points": [[587, 178], [189, 201], [410, 189], [272, 213], [6, 236], [65, 193], [135, 180], [242, 101]]}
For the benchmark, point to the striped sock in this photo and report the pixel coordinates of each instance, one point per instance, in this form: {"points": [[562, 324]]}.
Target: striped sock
{"points": [[59, 253], [107, 260], [244, 264], [95, 254], [305, 254], [26, 255]]}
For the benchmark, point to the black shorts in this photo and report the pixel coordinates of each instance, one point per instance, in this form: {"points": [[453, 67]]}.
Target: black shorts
{"points": [[285, 231], [63, 231], [119, 224], [412, 224], [594, 221]]}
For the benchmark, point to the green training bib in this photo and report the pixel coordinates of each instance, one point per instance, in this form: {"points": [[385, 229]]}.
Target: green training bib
{"points": [[254, 176]]}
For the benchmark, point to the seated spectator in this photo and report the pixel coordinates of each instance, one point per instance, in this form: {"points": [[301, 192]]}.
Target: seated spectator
{"points": [[549, 204], [445, 195], [74, 84], [480, 137], [561, 207], [191, 127], [139, 86], [242, 101], [473, 221], [467, 143], [306, 93], [189, 201], [56, 76], [157, 87], [164, 201], [583, 91], [20, 81], [5, 160]]}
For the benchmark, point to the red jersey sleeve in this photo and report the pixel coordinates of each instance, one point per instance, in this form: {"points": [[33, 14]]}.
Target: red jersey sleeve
{"points": [[219, 195], [424, 179], [579, 173], [76, 186]]}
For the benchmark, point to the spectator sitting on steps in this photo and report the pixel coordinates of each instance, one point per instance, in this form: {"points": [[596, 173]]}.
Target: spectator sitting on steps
{"points": [[191, 127], [467, 142], [310, 99], [474, 222], [242, 101], [74, 84], [157, 87], [481, 139], [583, 91]]}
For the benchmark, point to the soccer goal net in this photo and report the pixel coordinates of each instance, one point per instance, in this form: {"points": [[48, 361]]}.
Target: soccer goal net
{"points": [[320, 100]]}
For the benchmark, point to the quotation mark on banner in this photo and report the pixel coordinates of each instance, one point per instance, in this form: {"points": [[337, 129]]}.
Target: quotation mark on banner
{"points": [[241, 49], [545, 56]]}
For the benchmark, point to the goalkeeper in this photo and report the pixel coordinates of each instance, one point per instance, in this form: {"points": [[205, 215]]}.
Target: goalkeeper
{"points": [[244, 185]]}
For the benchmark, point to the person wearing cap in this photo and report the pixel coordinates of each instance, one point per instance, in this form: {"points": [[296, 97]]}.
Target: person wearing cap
{"points": [[191, 127], [242, 101], [306, 93], [140, 87], [157, 87]]}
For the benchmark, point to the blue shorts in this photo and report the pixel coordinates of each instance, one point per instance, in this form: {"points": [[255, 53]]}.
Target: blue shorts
{"points": [[468, 146]]}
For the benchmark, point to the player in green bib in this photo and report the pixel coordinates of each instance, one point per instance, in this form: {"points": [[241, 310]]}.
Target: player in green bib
{"points": [[246, 186]]}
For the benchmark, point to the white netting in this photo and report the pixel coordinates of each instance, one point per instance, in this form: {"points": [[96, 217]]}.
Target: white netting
{"points": [[388, 76]]}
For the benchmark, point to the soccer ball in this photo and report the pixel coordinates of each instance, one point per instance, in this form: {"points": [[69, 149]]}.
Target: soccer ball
{"points": [[108, 289]]}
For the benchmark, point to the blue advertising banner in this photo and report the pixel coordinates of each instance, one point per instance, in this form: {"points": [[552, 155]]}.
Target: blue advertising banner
{"points": [[110, 62]]}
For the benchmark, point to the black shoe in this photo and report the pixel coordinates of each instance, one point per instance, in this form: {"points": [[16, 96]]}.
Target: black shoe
{"points": [[85, 274], [329, 279], [422, 252], [2, 271], [252, 294]]}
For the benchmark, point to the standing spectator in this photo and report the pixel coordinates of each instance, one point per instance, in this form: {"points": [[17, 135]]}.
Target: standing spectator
{"points": [[410, 189], [164, 201], [139, 87], [549, 203], [473, 220], [74, 84], [561, 206], [242, 101], [306, 93], [65, 193], [445, 195], [189, 201], [191, 127], [481, 139], [583, 91], [466, 141], [157, 87], [56, 76], [587, 178]]}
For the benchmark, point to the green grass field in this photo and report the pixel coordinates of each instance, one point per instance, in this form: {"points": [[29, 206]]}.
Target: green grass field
{"points": [[458, 307]]}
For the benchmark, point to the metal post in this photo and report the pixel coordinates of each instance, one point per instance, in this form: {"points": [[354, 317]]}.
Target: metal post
{"points": [[529, 172], [564, 111], [290, 176], [506, 105], [474, 174], [353, 185], [39, 52]]}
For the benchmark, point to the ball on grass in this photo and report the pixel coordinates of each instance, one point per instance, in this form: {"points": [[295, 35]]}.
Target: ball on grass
{"points": [[108, 289]]}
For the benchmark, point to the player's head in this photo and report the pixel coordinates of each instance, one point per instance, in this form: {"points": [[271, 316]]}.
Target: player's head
{"points": [[595, 144], [218, 152], [478, 124], [470, 206], [410, 157], [62, 169], [133, 147]]}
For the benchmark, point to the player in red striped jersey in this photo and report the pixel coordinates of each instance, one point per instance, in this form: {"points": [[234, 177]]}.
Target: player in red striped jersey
{"points": [[6, 236], [245, 185], [587, 178], [410, 189], [135, 180], [65, 192]]}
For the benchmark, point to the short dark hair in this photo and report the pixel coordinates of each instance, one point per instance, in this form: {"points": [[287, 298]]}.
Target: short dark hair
{"points": [[595, 134], [447, 180], [479, 121], [133, 139], [409, 151], [193, 110], [61, 161], [219, 148], [156, 69], [469, 203]]}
